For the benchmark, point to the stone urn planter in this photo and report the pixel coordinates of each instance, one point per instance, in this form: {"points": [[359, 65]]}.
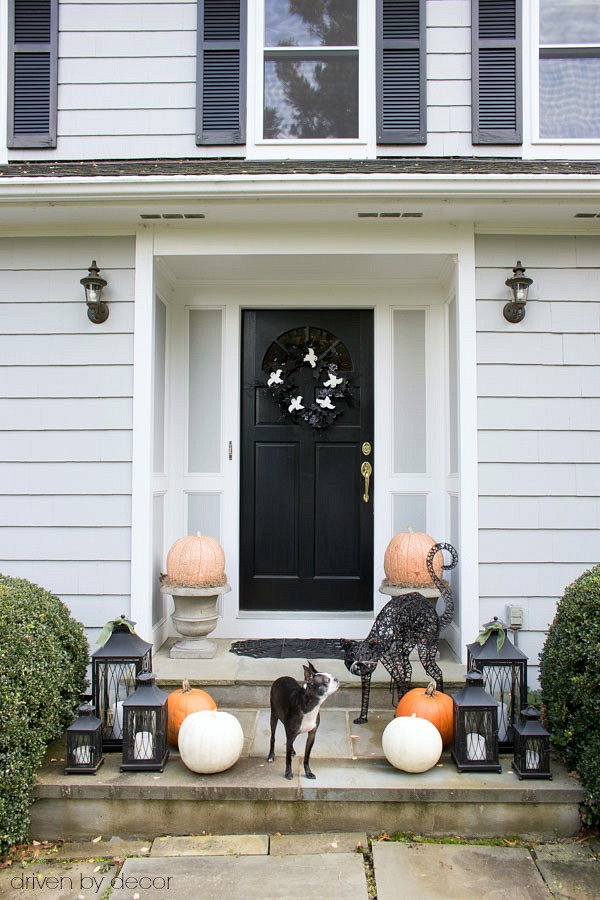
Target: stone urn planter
{"points": [[195, 578]]}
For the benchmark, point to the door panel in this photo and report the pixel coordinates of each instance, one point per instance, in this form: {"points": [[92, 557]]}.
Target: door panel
{"points": [[306, 538]]}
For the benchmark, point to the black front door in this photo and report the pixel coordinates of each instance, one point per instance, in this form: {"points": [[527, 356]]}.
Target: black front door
{"points": [[306, 516]]}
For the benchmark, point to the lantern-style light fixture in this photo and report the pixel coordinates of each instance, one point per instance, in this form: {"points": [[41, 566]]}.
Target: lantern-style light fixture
{"points": [[115, 667], [145, 722], [97, 308], [514, 311], [475, 742], [532, 746], [84, 743], [504, 670]]}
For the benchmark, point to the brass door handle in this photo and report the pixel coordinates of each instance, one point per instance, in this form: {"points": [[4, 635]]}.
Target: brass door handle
{"points": [[366, 470]]}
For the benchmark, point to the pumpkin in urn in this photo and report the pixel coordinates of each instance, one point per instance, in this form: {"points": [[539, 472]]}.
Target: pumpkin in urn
{"points": [[196, 561], [405, 559]]}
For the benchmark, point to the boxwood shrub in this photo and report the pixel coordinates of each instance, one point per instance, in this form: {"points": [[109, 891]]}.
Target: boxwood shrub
{"points": [[570, 682], [43, 661]]}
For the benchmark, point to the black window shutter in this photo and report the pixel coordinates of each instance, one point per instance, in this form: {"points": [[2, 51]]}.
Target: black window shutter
{"points": [[496, 71], [221, 81], [32, 73], [401, 75]]}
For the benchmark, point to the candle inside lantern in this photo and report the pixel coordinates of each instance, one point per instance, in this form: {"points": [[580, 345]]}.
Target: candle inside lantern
{"points": [[532, 759], [83, 755], [503, 722], [475, 746], [143, 748], [117, 727]]}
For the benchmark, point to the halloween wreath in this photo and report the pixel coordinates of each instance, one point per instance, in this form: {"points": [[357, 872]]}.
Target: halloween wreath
{"points": [[283, 385]]}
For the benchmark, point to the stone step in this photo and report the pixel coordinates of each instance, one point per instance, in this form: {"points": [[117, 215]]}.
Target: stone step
{"points": [[355, 789]]}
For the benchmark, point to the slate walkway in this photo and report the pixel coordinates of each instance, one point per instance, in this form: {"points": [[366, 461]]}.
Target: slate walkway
{"points": [[304, 867]]}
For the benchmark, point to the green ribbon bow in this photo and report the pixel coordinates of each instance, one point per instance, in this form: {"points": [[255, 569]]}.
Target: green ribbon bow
{"points": [[110, 627], [490, 629]]}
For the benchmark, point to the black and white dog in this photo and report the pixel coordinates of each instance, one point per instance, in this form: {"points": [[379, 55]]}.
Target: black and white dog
{"points": [[297, 706]]}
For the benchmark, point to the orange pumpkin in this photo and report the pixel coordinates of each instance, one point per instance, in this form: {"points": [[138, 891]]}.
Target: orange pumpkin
{"points": [[196, 560], [405, 559], [436, 707], [182, 703]]}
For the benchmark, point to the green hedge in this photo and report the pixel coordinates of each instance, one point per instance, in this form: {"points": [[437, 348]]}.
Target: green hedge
{"points": [[570, 681], [43, 661]]}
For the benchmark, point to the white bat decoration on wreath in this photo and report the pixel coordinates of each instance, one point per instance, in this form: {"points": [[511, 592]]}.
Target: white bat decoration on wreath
{"points": [[275, 378], [332, 381], [296, 404], [325, 403], [311, 357]]}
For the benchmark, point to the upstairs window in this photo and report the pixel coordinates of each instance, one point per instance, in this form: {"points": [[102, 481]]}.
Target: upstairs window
{"points": [[569, 69], [312, 56], [310, 70], [32, 73]]}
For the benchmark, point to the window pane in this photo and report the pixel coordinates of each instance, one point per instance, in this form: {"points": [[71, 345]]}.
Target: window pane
{"points": [[304, 23], [311, 99], [204, 437], [410, 400], [570, 98], [410, 510], [569, 21]]}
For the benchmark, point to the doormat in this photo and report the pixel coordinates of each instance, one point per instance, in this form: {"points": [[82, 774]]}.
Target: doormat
{"points": [[288, 648]]}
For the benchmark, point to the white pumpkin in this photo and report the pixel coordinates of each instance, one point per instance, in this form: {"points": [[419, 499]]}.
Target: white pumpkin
{"points": [[210, 741], [411, 744]]}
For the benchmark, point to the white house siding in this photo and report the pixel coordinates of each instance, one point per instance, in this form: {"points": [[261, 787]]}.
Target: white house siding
{"points": [[127, 85], [65, 422], [538, 426]]}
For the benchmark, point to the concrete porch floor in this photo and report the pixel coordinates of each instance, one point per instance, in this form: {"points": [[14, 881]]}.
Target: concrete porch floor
{"points": [[355, 787]]}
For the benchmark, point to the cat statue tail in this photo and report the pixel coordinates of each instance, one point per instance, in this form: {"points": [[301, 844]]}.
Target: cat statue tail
{"points": [[444, 589]]}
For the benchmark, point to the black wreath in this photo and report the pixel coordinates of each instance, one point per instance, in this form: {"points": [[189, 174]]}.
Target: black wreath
{"points": [[285, 391]]}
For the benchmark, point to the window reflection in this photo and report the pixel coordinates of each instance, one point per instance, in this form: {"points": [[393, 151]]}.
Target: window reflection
{"points": [[310, 69]]}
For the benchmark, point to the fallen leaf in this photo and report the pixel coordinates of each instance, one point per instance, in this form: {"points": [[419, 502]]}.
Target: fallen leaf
{"points": [[97, 839]]}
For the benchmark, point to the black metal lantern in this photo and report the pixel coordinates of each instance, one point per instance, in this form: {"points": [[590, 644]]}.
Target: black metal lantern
{"points": [[519, 284], [532, 746], [504, 670], [94, 284], [475, 742], [115, 667], [145, 721], [84, 743]]}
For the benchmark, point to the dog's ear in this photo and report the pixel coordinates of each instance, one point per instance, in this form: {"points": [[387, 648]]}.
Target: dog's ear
{"points": [[309, 671]]}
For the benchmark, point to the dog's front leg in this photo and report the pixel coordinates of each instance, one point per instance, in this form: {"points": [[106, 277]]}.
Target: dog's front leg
{"points": [[310, 739], [289, 752], [274, 720]]}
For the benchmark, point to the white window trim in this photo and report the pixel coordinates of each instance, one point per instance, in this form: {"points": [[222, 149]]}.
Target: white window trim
{"points": [[534, 146], [3, 82], [363, 147]]}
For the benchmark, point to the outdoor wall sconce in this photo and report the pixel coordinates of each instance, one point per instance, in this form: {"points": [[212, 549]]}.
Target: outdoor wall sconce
{"points": [[514, 311], [93, 285]]}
